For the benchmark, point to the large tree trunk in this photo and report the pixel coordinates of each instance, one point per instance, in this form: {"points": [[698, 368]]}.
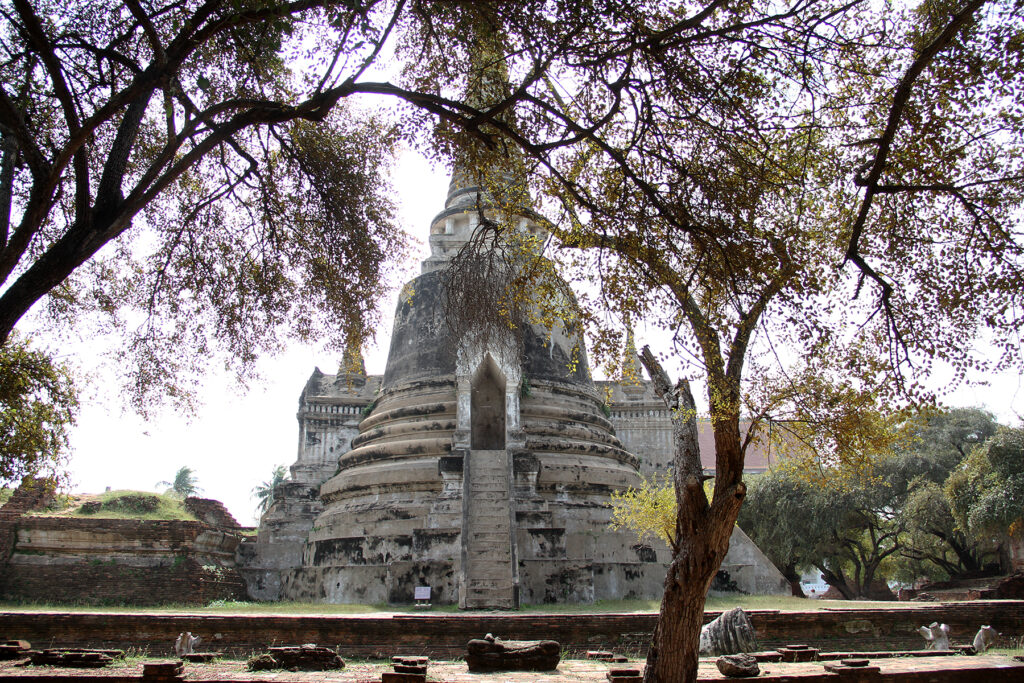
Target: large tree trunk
{"points": [[674, 650], [702, 531], [793, 576], [838, 581]]}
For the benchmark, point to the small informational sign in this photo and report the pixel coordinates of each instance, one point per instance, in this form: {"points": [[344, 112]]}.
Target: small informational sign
{"points": [[422, 592]]}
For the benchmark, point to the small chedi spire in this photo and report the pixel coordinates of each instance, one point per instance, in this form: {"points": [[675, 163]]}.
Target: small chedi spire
{"points": [[352, 369], [631, 375]]}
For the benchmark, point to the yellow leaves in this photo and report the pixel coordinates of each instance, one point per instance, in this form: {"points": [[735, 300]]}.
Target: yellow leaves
{"points": [[649, 511], [407, 293], [833, 433]]}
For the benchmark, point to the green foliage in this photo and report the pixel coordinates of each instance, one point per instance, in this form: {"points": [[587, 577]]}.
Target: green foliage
{"points": [[780, 516], [987, 494], [265, 492], [898, 522], [38, 403], [242, 205], [185, 483], [846, 531], [368, 408], [649, 511]]}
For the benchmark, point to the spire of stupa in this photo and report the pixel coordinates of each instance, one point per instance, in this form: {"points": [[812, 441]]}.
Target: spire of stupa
{"points": [[487, 180], [352, 369], [632, 374]]}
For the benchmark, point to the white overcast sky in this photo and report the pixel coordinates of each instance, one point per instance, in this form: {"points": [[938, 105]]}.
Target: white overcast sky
{"points": [[237, 438]]}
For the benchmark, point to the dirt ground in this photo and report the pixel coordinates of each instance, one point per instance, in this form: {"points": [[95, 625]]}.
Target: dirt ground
{"points": [[989, 667]]}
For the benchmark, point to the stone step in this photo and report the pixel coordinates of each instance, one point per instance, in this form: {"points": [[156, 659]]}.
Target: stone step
{"points": [[494, 468], [489, 566], [489, 477], [487, 486], [484, 568], [487, 513], [487, 528], [490, 584], [497, 556], [491, 511], [495, 599], [495, 496]]}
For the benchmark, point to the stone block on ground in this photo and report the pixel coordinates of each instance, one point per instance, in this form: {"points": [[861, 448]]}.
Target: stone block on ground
{"points": [[623, 672], [738, 666], [498, 655], [852, 667], [624, 676], [728, 634], [396, 677], [166, 670], [73, 658], [771, 656], [14, 649], [798, 653], [297, 658], [410, 669]]}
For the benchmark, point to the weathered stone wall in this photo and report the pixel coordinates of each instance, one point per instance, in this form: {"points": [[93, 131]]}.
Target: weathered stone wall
{"points": [[31, 493], [212, 512], [121, 561], [445, 635], [330, 410]]}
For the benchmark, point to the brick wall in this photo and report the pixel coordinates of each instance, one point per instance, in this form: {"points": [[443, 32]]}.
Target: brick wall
{"points": [[32, 493], [446, 635], [98, 582], [121, 561], [212, 512]]}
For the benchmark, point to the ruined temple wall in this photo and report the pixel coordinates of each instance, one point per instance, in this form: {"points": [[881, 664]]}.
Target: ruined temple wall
{"points": [[644, 425], [330, 410], [143, 562]]}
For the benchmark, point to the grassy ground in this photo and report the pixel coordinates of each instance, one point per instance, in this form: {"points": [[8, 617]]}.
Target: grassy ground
{"points": [[748, 602], [118, 505]]}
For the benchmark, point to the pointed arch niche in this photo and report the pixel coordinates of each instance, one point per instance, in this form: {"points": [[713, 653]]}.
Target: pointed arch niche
{"points": [[487, 410]]}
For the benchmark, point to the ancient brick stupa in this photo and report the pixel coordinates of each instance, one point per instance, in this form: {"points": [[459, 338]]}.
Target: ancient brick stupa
{"points": [[483, 469], [479, 468]]}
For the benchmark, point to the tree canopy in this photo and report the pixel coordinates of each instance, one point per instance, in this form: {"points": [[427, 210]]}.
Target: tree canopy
{"points": [[986, 495], [38, 401], [818, 199], [907, 520], [264, 492], [185, 483]]}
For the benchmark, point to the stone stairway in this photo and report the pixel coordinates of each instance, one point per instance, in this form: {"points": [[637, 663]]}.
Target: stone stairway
{"points": [[488, 532]]}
